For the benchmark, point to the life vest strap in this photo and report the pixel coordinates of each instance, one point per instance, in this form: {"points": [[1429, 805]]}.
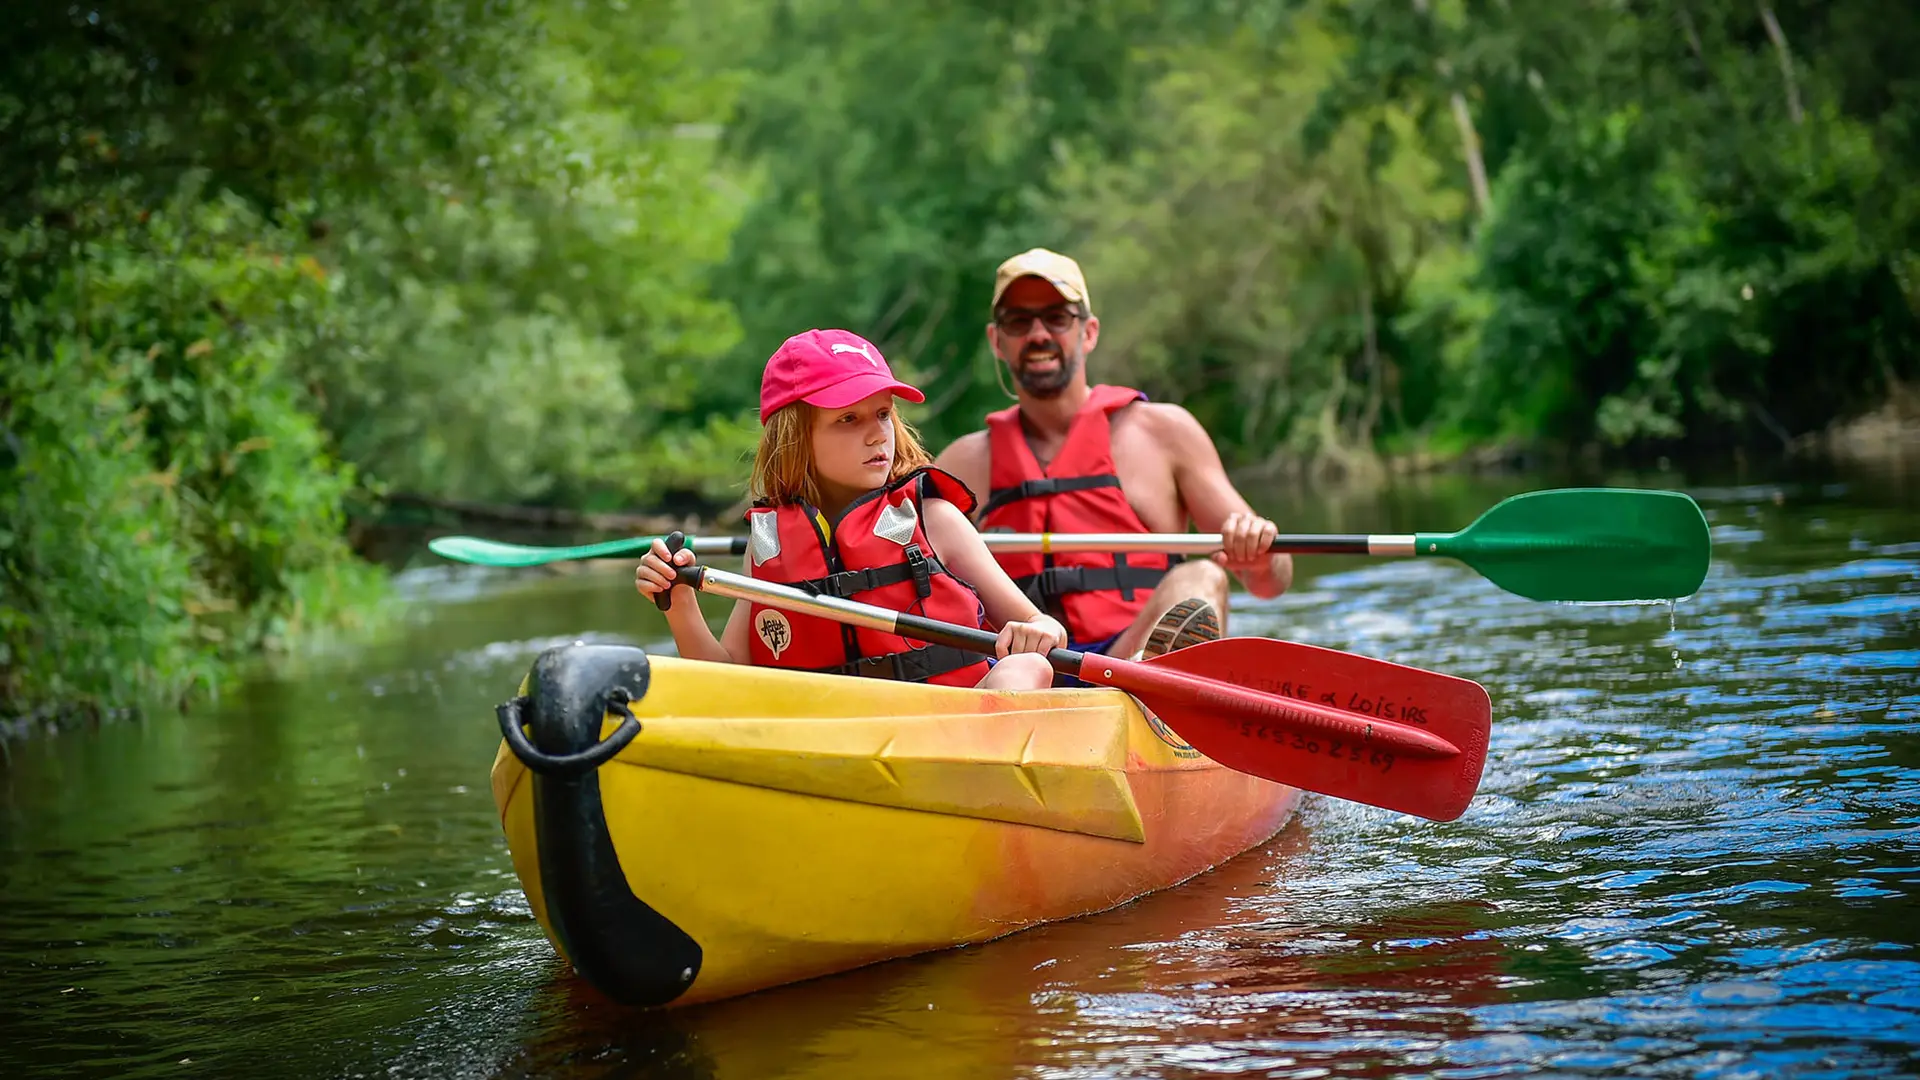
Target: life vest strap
{"points": [[1058, 581], [911, 665], [918, 568], [1046, 485]]}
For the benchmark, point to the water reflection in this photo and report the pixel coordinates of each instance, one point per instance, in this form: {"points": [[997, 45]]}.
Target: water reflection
{"points": [[1207, 968]]}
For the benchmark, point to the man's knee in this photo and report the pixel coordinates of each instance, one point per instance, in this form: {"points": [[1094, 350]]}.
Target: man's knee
{"points": [[1197, 577]]}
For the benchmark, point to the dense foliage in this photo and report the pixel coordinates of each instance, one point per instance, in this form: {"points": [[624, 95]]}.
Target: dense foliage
{"points": [[266, 263], [1696, 221]]}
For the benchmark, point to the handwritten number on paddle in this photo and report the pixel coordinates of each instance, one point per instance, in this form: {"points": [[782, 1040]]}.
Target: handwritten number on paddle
{"points": [[1336, 749]]}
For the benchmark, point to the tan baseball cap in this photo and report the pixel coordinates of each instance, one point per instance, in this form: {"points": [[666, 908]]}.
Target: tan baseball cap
{"points": [[1056, 269]]}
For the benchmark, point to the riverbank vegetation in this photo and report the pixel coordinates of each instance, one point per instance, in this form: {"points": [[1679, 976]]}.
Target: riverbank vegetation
{"points": [[268, 267]]}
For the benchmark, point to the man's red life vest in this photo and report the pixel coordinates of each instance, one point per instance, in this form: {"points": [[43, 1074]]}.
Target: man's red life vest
{"points": [[877, 553], [1096, 594]]}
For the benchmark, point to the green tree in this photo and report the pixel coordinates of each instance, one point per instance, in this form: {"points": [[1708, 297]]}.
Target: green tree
{"points": [[259, 256], [900, 152], [1257, 270], [1690, 243], [536, 329]]}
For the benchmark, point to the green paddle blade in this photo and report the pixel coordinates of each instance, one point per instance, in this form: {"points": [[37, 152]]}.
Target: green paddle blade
{"points": [[472, 549], [1586, 544]]}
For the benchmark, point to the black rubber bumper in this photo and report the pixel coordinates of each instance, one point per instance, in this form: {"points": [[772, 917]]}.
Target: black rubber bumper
{"points": [[628, 951]]}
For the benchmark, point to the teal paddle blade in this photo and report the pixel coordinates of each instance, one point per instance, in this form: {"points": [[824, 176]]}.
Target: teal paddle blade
{"points": [[472, 549]]}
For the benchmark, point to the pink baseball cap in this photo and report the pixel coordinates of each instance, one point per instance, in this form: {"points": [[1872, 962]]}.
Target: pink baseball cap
{"points": [[828, 368]]}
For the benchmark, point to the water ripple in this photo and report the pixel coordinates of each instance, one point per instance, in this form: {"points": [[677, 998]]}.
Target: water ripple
{"points": [[1695, 853]]}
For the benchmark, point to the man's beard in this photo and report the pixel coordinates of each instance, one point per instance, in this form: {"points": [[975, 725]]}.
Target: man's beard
{"points": [[1046, 384]]}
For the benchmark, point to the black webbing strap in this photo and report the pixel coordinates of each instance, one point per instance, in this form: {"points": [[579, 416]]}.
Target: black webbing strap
{"points": [[911, 665], [1033, 489], [918, 569], [1057, 581]]}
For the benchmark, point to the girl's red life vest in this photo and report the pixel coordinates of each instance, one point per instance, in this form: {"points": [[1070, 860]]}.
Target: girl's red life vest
{"points": [[1096, 594], [877, 553]]}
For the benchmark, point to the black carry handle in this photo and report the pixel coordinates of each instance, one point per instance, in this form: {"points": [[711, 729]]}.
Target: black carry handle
{"points": [[675, 541], [510, 714]]}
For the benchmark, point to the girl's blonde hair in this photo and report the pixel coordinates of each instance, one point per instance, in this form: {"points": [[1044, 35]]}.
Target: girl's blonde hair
{"points": [[783, 465]]}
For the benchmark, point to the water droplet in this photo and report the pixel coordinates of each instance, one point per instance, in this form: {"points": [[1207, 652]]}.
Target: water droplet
{"points": [[1673, 630]]}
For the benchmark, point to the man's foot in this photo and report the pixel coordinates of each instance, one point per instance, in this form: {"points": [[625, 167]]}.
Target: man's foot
{"points": [[1188, 622]]}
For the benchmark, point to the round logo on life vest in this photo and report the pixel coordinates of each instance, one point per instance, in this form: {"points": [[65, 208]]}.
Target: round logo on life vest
{"points": [[775, 632]]}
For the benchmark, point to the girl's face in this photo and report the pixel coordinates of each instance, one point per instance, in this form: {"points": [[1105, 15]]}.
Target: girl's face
{"points": [[853, 447]]}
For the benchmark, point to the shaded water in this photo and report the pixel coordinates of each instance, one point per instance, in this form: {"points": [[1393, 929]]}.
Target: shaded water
{"points": [[1694, 853]]}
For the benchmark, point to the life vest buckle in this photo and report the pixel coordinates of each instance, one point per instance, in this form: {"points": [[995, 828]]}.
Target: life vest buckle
{"points": [[922, 573]]}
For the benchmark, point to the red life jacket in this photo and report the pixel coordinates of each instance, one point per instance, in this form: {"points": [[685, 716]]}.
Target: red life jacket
{"points": [[877, 553], [1096, 594]]}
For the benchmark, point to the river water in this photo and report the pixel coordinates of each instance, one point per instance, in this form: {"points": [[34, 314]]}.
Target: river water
{"points": [[1694, 853]]}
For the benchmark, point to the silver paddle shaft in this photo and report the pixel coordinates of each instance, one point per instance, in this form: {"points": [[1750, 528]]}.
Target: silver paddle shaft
{"points": [[1194, 543]]}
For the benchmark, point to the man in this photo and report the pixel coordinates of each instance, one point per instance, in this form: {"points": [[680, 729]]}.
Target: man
{"points": [[1069, 457]]}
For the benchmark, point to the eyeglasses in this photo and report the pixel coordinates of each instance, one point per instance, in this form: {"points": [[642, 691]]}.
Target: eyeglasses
{"points": [[1018, 322]]}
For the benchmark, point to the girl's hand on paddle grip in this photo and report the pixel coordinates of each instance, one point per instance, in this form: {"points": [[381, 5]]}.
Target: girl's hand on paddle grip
{"points": [[1039, 634], [655, 573], [1245, 543]]}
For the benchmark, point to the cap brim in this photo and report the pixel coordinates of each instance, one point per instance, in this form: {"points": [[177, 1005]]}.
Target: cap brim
{"points": [[859, 388], [1067, 292]]}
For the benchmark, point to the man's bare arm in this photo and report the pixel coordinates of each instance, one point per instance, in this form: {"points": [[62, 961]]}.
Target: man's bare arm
{"points": [[1211, 499]]}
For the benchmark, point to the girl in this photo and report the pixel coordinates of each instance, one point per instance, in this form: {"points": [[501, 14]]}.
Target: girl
{"points": [[846, 504]]}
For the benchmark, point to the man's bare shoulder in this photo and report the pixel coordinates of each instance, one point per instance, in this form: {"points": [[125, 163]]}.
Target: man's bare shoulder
{"points": [[970, 459], [1170, 427], [969, 449]]}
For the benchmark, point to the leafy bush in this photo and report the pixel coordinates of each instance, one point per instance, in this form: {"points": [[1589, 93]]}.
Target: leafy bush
{"points": [[170, 500]]}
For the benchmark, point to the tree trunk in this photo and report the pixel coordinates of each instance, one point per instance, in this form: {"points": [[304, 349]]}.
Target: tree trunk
{"points": [[1693, 38], [1470, 148], [1370, 348], [1469, 138], [1786, 60]]}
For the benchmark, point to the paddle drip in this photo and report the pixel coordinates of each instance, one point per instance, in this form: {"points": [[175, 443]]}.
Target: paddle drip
{"points": [[1673, 630]]}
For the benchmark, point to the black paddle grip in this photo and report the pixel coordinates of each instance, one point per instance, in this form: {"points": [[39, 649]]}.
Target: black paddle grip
{"points": [[675, 541]]}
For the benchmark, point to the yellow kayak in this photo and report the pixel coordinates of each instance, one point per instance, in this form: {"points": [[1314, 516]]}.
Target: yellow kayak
{"points": [[691, 831]]}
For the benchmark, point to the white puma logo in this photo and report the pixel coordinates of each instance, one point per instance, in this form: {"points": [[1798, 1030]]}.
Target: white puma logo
{"points": [[840, 347]]}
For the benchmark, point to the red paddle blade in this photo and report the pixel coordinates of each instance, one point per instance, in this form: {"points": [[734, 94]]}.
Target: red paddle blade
{"points": [[1344, 725]]}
